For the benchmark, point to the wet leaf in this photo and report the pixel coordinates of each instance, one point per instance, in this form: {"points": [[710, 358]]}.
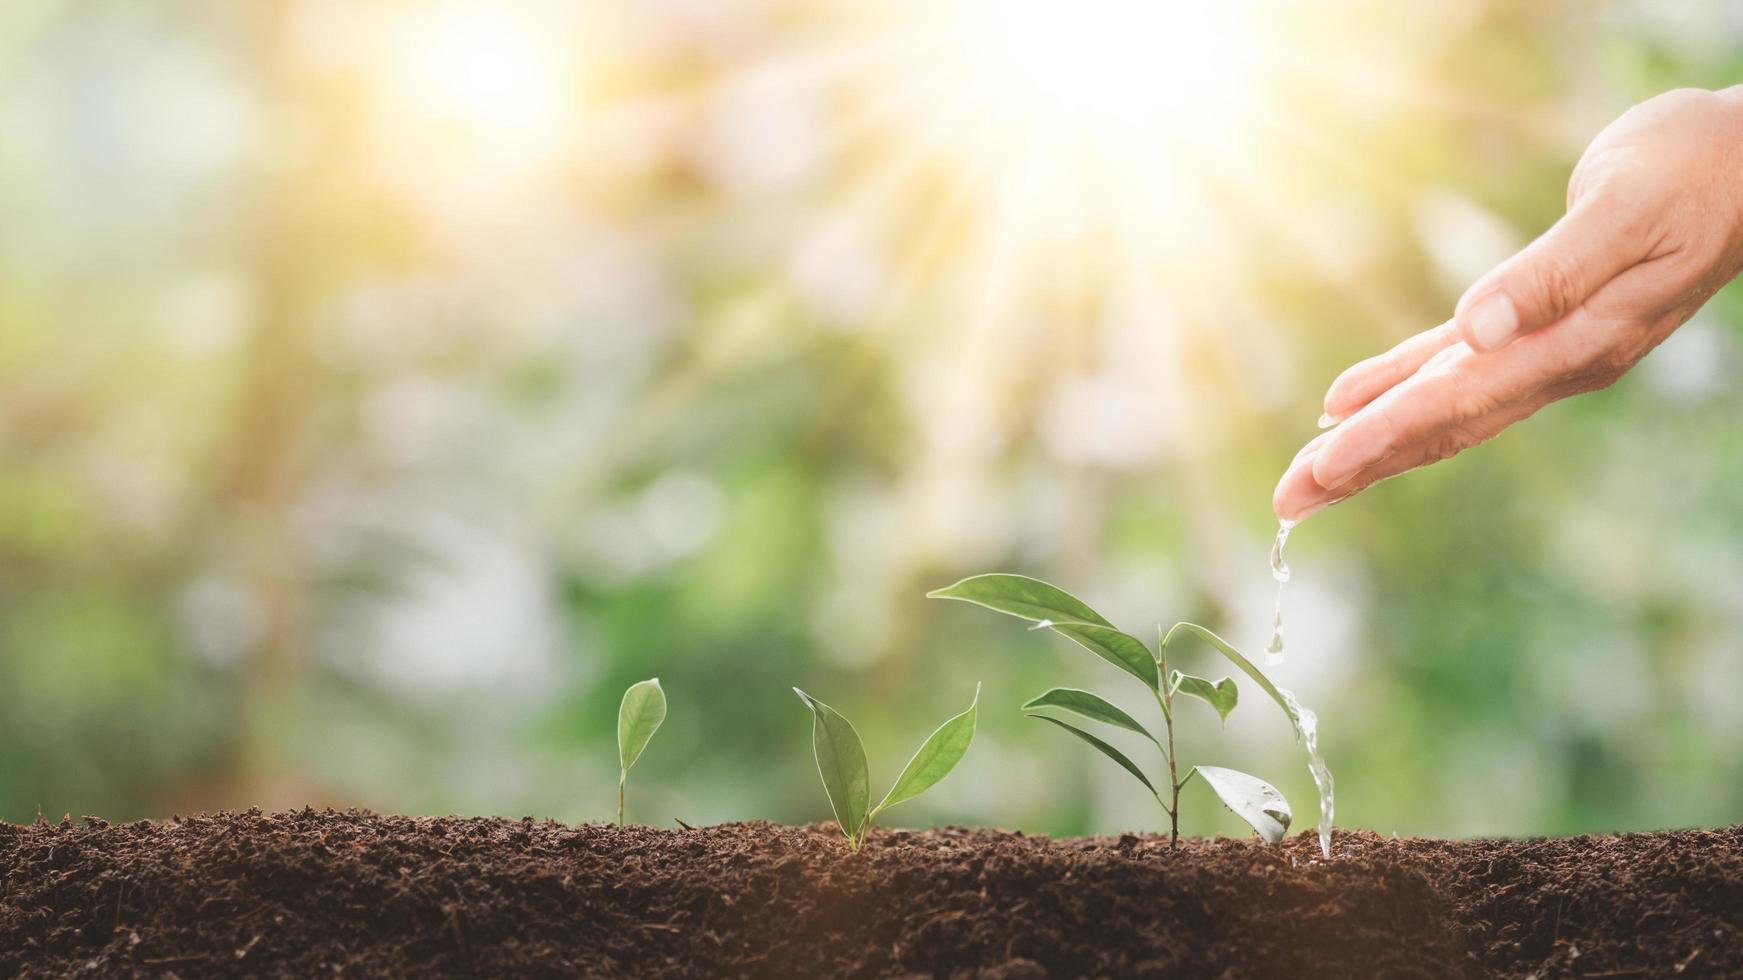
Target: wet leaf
{"points": [[1252, 799], [841, 763], [1105, 749], [1220, 695], [1021, 596], [639, 716], [939, 754], [1091, 706]]}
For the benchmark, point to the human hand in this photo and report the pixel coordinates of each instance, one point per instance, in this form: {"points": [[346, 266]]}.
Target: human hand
{"points": [[1654, 227]]}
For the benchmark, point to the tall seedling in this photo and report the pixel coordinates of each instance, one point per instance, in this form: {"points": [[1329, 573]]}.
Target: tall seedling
{"points": [[1251, 798]]}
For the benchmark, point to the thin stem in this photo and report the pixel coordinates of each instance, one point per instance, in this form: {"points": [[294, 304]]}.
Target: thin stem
{"points": [[1165, 698], [620, 801], [1173, 784]]}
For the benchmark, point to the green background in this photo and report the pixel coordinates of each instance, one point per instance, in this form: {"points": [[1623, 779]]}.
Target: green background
{"points": [[350, 456]]}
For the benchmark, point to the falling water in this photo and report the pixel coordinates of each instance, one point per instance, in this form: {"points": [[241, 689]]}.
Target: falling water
{"points": [[1306, 722], [1307, 725], [1280, 572]]}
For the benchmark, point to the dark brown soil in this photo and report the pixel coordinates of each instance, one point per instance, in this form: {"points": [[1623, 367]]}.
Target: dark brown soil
{"points": [[308, 893]]}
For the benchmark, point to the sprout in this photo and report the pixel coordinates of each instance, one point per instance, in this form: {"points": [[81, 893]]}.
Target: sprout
{"points": [[841, 763], [1251, 798], [638, 718]]}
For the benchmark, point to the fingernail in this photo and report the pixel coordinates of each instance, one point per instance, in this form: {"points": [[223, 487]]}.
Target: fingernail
{"points": [[1493, 321], [1327, 420]]}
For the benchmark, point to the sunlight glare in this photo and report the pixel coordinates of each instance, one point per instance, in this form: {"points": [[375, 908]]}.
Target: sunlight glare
{"points": [[1098, 120], [1108, 70], [473, 88]]}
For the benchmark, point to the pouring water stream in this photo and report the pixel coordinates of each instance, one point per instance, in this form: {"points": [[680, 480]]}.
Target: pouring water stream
{"points": [[1305, 721], [1280, 572]]}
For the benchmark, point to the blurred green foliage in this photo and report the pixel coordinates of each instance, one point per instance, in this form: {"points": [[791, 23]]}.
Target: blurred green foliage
{"points": [[360, 443]]}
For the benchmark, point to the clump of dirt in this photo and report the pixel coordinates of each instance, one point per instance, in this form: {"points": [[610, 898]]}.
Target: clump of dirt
{"points": [[357, 894]]}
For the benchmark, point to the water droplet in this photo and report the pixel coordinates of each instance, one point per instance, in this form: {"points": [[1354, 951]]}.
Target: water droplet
{"points": [[1279, 567]]}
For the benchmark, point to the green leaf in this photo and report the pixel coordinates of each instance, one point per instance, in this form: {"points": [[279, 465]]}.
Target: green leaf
{"points": [[841, 763], [1021, 596], [1038, 602], [1234, 656], [1105, 749], [1252, 799], [638, 718], [1221, 695], [1091, 706], [939, 754], [1120, 649]]}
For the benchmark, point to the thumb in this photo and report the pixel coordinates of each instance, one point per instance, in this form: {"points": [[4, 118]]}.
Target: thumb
{"points": [[1549, 278]]}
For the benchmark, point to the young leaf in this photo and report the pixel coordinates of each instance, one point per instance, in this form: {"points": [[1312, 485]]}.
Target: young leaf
{"points": [[1252, 799], [1234, 656], [1091, 706], [1021, 596], [638, 717], [1105, 749], [841, 763], [939, 754], [1222, 695], [1120, 649]]}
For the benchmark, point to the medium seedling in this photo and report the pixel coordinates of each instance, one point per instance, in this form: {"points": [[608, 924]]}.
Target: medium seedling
{"points": [[638, 718], [1251, 798], [841, 763]]}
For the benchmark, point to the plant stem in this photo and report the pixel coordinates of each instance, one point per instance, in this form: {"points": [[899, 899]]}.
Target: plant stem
{"points": [[620, 801], [1174, 790], [1165, 698]]}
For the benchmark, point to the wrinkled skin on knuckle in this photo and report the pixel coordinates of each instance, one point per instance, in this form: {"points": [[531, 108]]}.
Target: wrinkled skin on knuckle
{"points": [[1557, 281], [1595, 374], [1480, 430], [1553, 279], [1447, 445]]}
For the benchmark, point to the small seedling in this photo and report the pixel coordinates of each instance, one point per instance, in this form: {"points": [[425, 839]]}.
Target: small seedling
{"points": [[638, 718], [841, 763], [1251, 798]]}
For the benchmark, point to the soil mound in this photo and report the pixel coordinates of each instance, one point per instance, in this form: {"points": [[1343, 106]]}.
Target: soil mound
{"points": [[358, 894]]}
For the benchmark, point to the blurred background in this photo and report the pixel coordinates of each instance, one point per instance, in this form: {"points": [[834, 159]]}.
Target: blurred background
{"points": [[384, 387]]}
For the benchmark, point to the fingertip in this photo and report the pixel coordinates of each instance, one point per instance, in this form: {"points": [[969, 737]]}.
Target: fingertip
{"points": [[1297, 491], [1341, 398], [1296, 500], [1286, 500]]}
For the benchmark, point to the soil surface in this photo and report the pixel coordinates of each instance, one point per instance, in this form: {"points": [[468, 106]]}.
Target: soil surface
{"points": [[356, 894]]}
